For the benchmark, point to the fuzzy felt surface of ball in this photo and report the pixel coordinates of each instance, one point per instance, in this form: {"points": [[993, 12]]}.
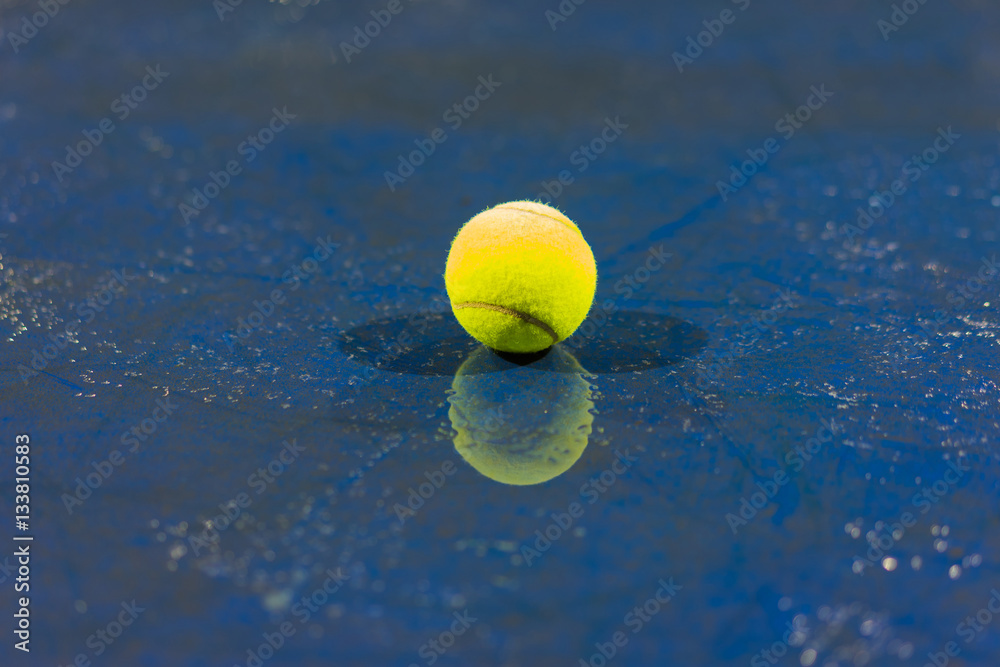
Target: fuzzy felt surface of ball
{"points": [[520, 277]]}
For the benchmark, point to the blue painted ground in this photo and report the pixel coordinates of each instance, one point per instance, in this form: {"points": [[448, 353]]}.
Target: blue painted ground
{"points": [[775, 441]]}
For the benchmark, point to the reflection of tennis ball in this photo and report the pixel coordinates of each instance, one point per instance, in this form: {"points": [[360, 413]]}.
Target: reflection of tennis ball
{"points": [[521, 425], [520, 277]]}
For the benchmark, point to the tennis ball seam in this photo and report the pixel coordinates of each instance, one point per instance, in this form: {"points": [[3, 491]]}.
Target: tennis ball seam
{"points": [[513, 313], [544, 215]]}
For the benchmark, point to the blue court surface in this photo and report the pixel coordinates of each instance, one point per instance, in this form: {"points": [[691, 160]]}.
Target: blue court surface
{"points": [[257, 435]]}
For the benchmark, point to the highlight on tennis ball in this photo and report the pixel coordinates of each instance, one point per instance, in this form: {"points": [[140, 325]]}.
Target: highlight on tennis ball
{"points": [[521, 425], [520, 277]]}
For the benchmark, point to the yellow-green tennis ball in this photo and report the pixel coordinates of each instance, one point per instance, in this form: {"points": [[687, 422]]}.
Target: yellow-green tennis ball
{"points": [[520, 277]]}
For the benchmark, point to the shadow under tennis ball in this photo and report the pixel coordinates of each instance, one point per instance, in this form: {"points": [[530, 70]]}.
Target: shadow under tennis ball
{"points": [[435, 344], [634, 340], [413, 344]]}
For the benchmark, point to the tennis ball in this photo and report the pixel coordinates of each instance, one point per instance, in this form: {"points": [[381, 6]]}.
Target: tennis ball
{"points": [[520, 277]]}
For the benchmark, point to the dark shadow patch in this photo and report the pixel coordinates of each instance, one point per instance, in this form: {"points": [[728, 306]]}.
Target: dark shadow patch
{"points": [[435, 344], [522, 359], [632, 340], [413, 344]]}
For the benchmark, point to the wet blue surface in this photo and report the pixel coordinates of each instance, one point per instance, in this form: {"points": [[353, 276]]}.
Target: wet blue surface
{"points": [[297, 331]]}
